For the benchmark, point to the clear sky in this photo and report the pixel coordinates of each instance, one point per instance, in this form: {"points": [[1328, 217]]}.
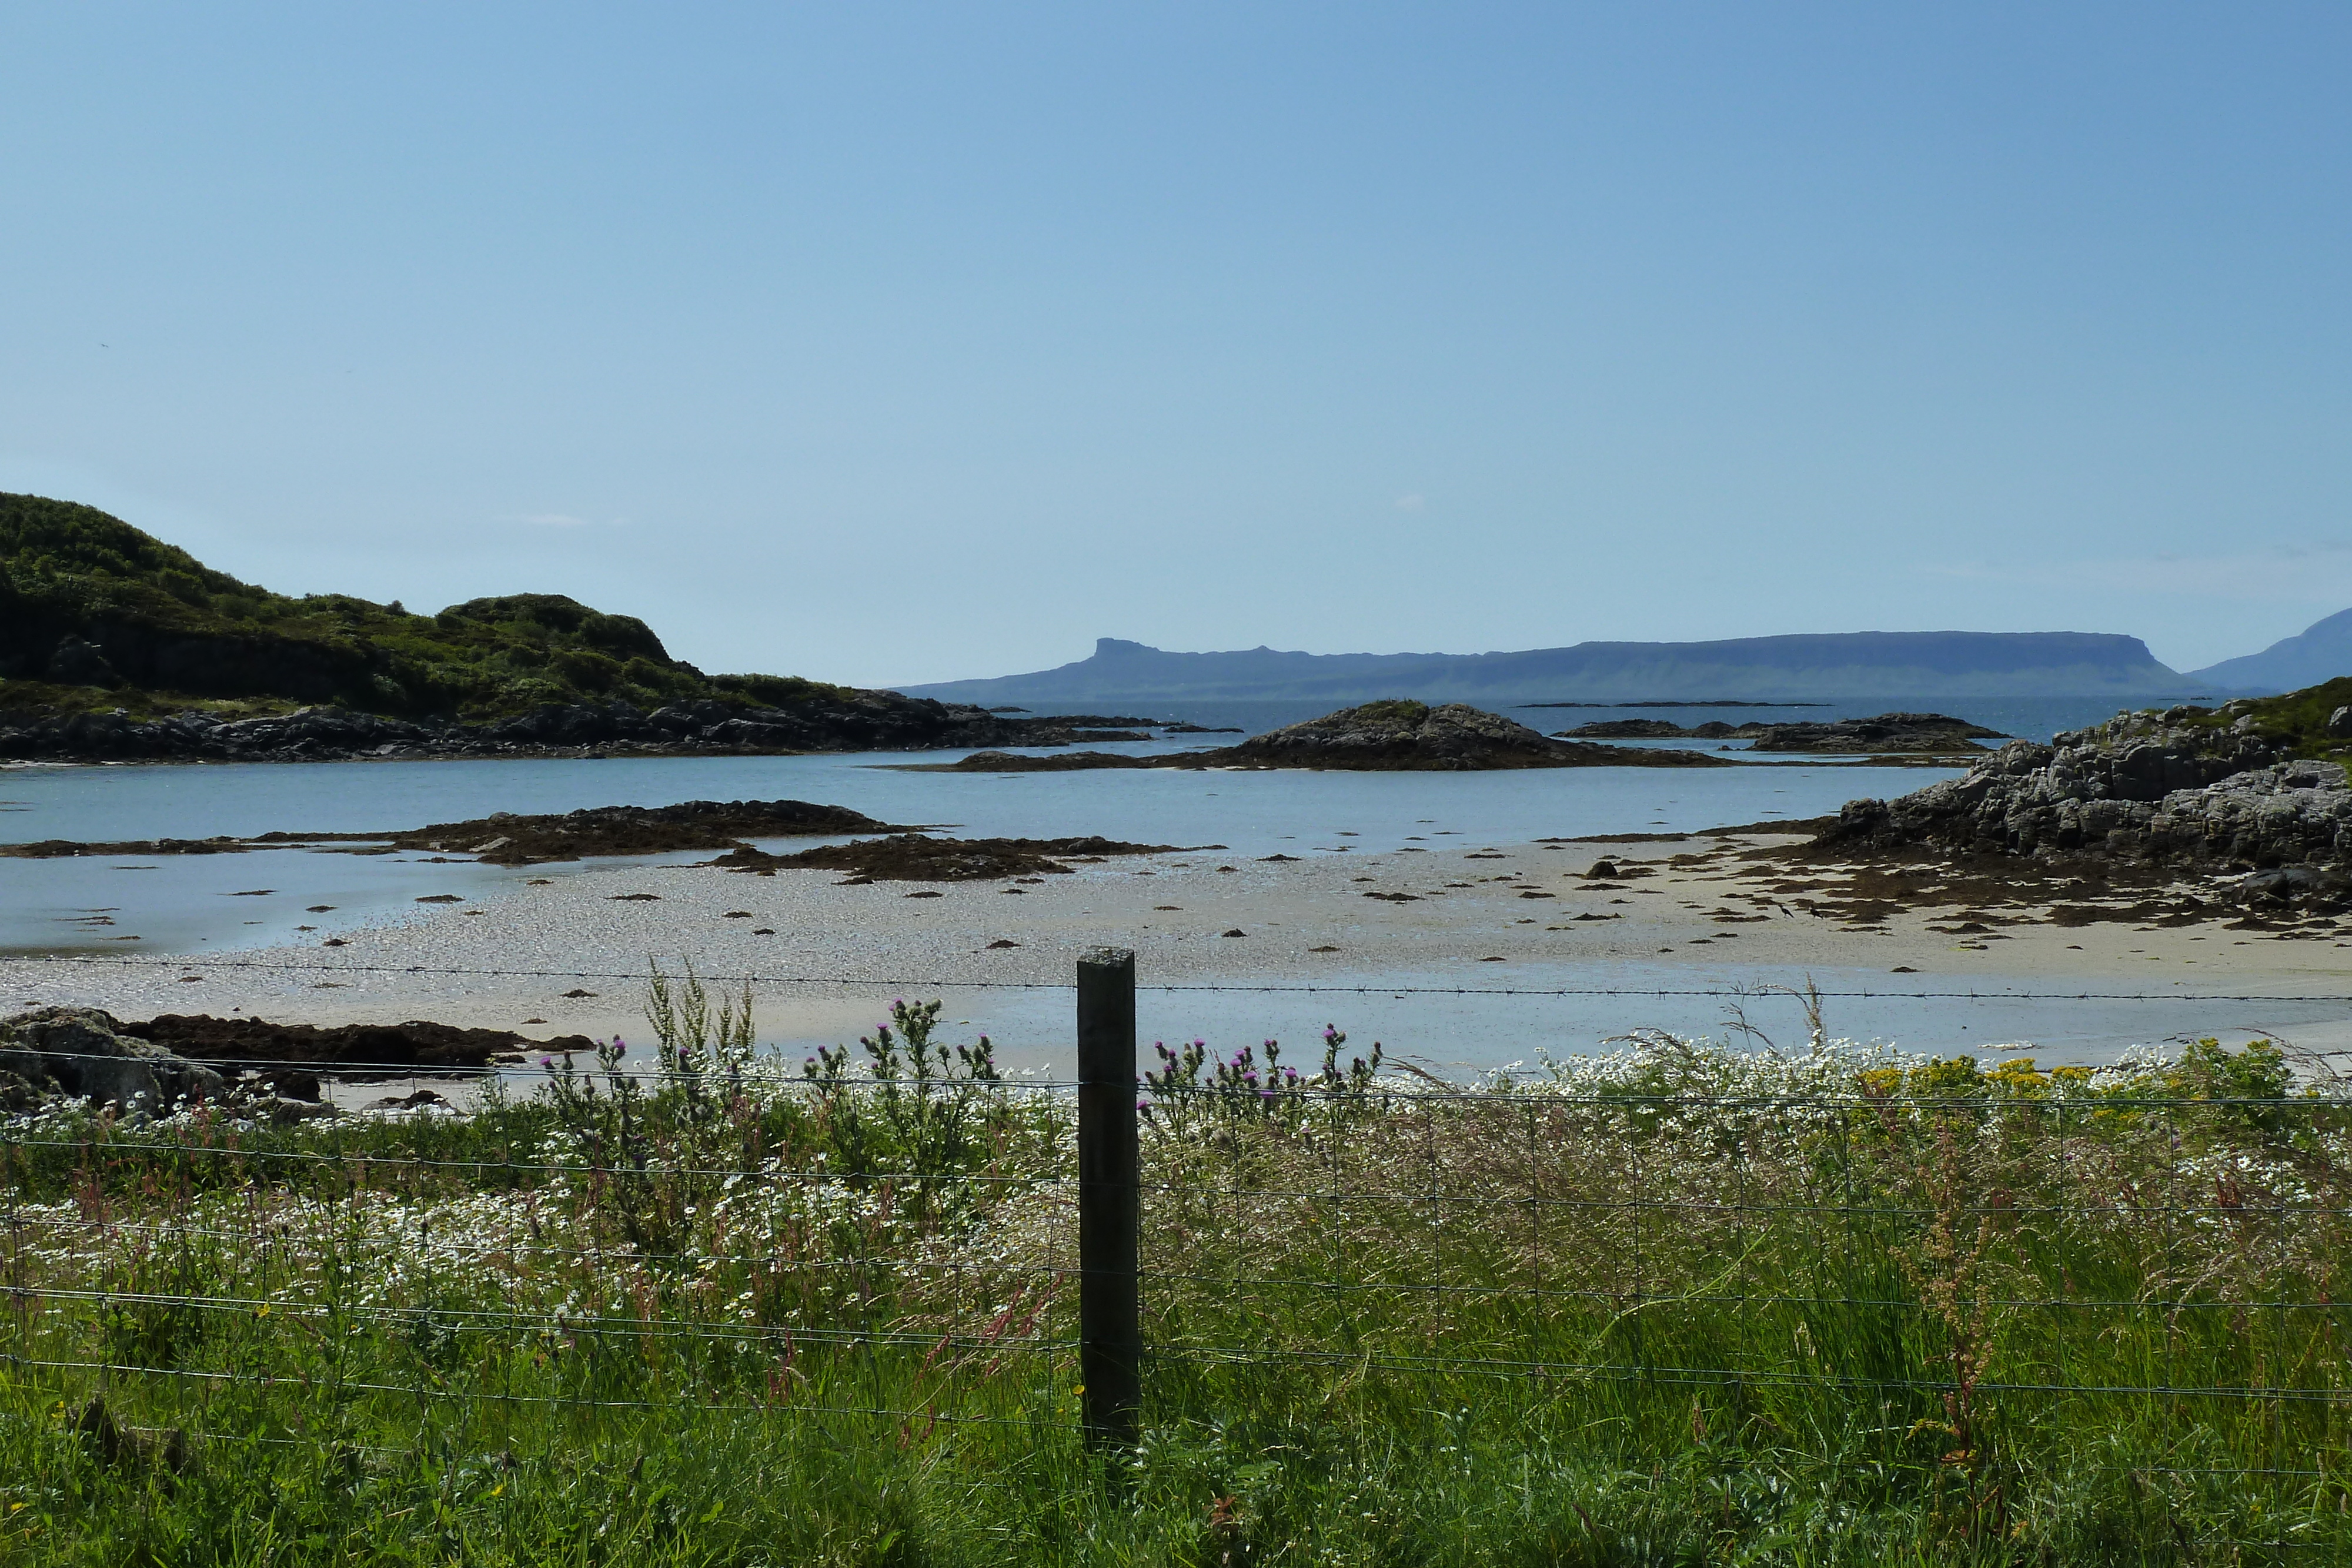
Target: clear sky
{"points": [[888, 343]]}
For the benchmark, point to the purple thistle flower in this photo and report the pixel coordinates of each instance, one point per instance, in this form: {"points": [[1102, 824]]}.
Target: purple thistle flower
{"points": [[548, 1062]]}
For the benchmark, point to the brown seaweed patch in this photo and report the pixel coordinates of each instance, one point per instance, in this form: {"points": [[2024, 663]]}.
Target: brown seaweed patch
{"points": [[912, 857]]}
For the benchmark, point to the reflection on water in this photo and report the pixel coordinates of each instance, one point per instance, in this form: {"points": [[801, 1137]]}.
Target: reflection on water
{"points": [[211, 902], [181, 902]]}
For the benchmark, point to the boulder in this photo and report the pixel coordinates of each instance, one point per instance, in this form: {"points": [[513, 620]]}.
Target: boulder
{"points": [[84, 1053], [2141, 786]]}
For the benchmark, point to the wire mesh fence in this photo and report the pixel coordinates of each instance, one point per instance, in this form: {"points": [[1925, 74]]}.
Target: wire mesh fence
{"points": [[2020, 1301]]}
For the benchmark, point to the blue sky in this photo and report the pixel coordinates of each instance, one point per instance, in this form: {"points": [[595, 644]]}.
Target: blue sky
{"points": [[890, 343]]}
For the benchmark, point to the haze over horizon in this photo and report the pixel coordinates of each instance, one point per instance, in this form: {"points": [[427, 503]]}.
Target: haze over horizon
{"points": [[908, 347]]}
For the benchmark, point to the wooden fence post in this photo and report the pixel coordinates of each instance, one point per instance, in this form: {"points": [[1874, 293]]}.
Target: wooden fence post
{"points": [[1110, 1322]]}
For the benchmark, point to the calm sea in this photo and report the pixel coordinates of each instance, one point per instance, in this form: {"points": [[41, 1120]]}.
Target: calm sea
{"points": [[209, 904], [181, 902]]}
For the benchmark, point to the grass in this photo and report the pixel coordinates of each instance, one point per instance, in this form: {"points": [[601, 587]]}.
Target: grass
{"points": [[1679, 1305], [2297, 722]]}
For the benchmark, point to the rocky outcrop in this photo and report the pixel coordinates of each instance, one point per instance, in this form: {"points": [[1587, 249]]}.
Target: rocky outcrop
{"points": [[1645, 729], [1059, 762], [81, 1053], [339, 1051], [1884, 735], [868, 721], [911, 857], [1392, 737], [1410, 736], [2154, 787], [249, 1069], [503, 838]]}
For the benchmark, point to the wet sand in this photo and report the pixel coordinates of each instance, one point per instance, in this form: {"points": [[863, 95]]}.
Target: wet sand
{"points": [[1699, 914]]}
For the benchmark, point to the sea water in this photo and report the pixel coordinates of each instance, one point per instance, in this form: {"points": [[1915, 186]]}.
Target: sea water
{"points": [[183, 902], [211, 903]]}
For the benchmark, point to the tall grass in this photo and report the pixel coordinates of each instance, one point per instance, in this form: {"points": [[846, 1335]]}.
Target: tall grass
{"points": [[1675, 1305]]}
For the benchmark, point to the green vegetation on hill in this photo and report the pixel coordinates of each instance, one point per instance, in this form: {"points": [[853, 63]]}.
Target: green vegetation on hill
{"points": [[2297, 719], [94, 613]]}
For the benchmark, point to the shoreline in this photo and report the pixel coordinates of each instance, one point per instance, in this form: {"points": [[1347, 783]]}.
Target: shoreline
{"points": [[1434, 939]]}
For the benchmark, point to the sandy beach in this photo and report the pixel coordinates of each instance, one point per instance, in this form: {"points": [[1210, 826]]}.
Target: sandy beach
{"points": [[566, 956]]}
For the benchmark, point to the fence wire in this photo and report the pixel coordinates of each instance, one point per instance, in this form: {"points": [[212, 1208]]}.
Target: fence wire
{"points": [[1988, 1280], [933, 984]]}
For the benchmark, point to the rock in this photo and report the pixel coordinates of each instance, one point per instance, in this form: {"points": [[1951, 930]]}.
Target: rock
{"points": [[913, 857], [1628, 730], [1067, 762], [1383, 737], [86, 1054], [532, 840], [1402, 735], [2141, 786], [420, 1099], [349, 1050], [2339, 723], [822, 719], [2289, 882], [1886, 734]]}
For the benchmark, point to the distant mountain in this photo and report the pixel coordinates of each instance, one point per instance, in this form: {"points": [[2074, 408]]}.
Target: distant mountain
{"points": [[1819, 667], [2320, 652]]}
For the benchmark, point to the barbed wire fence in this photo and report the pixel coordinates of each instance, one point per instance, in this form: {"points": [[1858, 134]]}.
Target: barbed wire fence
{"points": [[2001, 1284]]}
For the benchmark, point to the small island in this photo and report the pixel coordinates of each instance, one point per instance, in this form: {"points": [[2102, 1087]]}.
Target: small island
{"points": [[1395, 735], [1883, 734]]}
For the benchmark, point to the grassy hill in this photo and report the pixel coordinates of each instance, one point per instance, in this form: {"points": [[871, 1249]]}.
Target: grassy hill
{"points": [[94, 613]]}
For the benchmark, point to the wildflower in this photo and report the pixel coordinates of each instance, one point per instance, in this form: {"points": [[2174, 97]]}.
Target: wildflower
{"points": [[548, 1062]]}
